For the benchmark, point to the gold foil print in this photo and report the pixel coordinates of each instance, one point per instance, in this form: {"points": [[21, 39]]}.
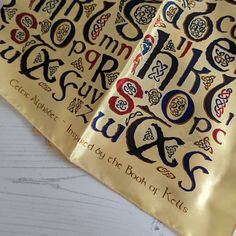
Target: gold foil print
{"points": [[138, 93]]}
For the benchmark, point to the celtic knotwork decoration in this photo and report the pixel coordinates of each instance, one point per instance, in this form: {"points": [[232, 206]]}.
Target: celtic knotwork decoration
{"points": [[221, 101], [45, 26], [197, 28], [20, 35], [89, 9], [171, 12], [188, 3], [119, 19], [27, 21], [146, 46], [130, 89], [50, 5], [62, 32], [111, 77], [11, 12], [177, 105], [38, 59], [53, 70], [223, 58], [207, 81], [154, 96], [165, 172], [170, 46], [75, 105], [45, 86], [204, 144], [141, 149], [148, 135], [78, 64], [99, 25], [171, 150], [122, 105], [31, 42], [122, 3], [145, 14], [136, 62], [157, 71], [159, 23], [133, 115]]}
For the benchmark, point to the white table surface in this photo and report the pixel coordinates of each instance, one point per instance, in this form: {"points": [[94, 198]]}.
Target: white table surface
{"points": [[42, 194]]}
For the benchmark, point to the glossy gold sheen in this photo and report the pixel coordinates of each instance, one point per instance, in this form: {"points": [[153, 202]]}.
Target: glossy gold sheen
{"points": [[210, 209]]}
